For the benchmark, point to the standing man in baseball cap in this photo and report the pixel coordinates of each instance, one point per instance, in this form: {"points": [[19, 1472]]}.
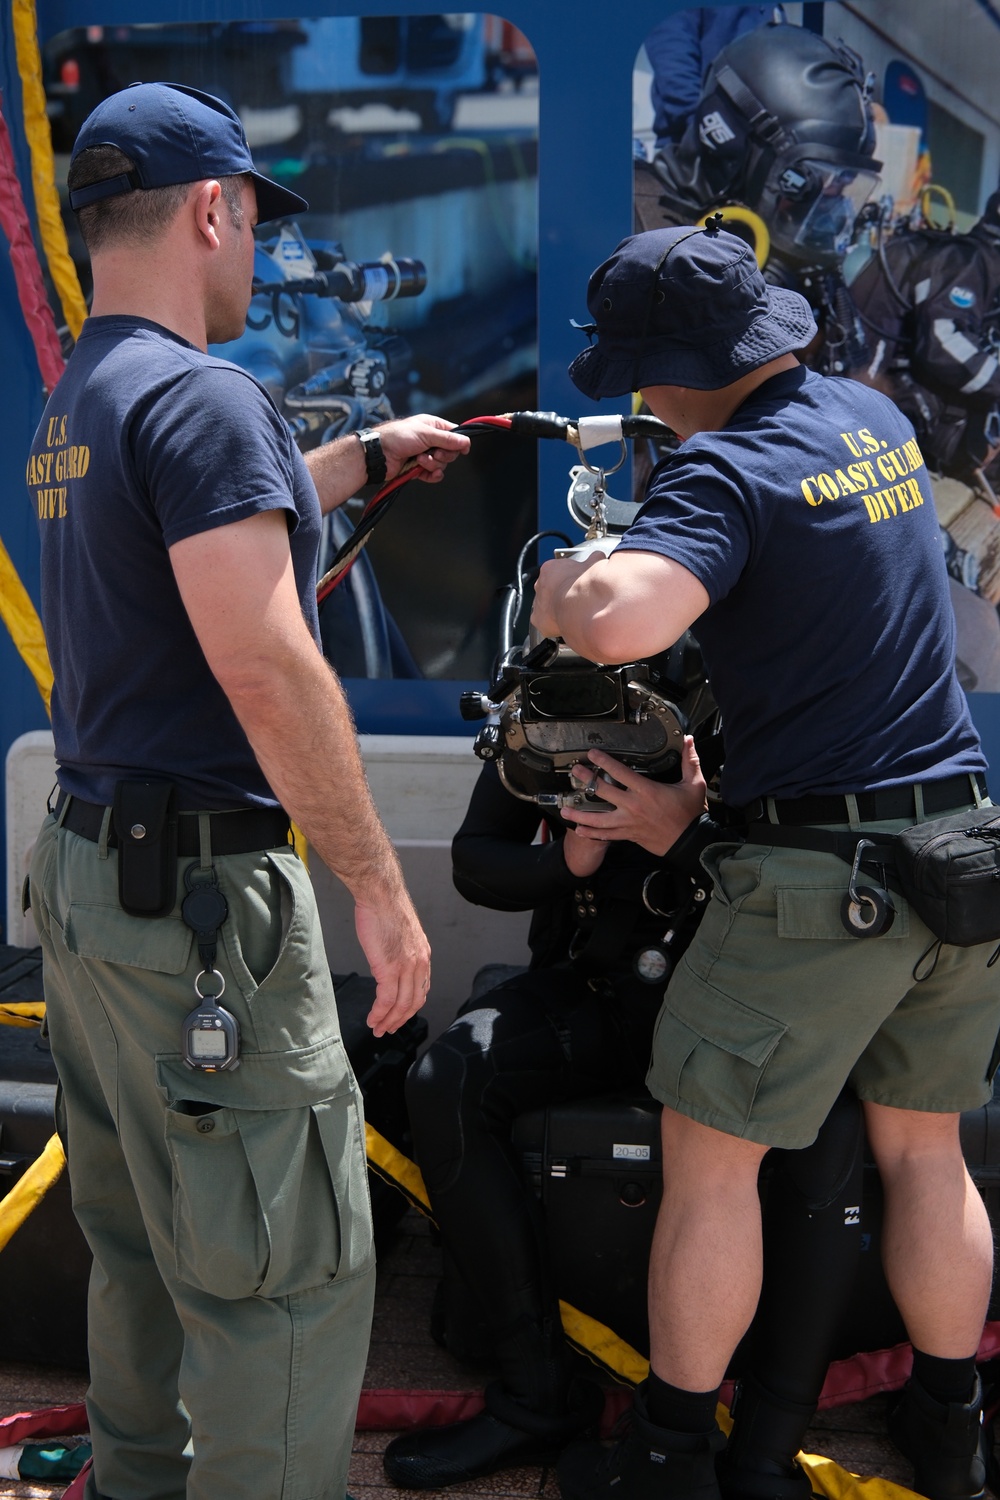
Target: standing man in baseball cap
{"points": [[794, 531], [214, 1128]]}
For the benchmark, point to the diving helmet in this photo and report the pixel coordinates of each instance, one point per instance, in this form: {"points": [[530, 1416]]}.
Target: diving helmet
{"points": [[784, 126]]}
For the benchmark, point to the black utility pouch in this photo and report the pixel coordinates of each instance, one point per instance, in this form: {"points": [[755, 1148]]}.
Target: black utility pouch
{"points": [[145, 820], [949, 872]]}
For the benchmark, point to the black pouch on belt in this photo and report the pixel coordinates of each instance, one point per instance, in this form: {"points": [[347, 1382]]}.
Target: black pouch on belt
{"points": [[145, 821], [949, 871]]}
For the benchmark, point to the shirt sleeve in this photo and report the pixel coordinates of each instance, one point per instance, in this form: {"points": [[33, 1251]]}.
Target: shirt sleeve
{"points": [[675, 54], [210, 450], [695, 513]]}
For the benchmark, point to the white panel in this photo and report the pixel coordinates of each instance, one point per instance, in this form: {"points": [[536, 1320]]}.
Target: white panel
{"points": [[421, 785]]}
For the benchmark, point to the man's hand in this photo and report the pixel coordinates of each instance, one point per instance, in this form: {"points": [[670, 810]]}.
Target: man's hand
{"points": [[399, 957], [652, 814], [431, 441], [551, 586], [338, 469]]}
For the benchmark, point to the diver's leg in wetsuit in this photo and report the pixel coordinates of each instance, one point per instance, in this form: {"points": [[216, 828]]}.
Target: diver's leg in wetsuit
{"points": [[812, 1241], [542, 1038]]}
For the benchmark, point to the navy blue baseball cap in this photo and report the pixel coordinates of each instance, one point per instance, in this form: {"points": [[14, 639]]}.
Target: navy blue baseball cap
{"points": [[684, 306], [174, 134]]}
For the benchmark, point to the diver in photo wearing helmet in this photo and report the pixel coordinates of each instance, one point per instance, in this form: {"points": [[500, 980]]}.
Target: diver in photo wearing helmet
{"points": [[782, 140]]}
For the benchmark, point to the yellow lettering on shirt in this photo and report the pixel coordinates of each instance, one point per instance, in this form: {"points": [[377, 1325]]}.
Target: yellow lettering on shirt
{"points": [[52, 504], [50, 473], [876, 482]]}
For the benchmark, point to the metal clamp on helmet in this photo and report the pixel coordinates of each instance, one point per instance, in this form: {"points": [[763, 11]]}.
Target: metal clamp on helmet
{"points": [[553, 707]]}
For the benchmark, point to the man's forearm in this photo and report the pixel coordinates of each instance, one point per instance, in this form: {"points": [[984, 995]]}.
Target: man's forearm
{"points": [[618, 608], [570, 608], [428, 443], [338, 470], [300, 728]]}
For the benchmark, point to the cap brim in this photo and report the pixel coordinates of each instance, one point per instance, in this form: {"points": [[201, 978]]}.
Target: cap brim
{"points": [[274, 201], [786, 326]]}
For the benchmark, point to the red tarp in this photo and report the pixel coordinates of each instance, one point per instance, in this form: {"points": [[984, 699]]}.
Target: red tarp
{"points": [[27, 272]]}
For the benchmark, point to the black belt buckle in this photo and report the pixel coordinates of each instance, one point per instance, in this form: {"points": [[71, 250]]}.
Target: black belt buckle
{"points": [[145, 820]]}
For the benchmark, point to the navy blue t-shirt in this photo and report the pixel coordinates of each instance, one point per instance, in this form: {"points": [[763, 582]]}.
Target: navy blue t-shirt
{"points": [[830, 636], [145, 441]]}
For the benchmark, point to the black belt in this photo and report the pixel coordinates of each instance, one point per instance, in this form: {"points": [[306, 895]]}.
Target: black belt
{"points": [[240, 832], [873, 807]]}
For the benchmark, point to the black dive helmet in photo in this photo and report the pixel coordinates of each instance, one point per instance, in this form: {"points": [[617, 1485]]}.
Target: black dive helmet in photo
{"points": [[546, 705], [802, 154], [784, 128]]}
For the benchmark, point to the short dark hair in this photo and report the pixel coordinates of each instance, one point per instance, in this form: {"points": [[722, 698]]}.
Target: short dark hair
{"points": [[138, 215]]}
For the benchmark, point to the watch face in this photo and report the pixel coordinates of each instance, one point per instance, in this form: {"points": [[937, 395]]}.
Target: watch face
{"points": [[208, 1045], [652, 965]]}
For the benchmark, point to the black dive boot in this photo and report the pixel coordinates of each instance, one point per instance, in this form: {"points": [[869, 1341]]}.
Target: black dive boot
{"points": [[650, 1463], [758, 1462], [530, 1416], [502, 1436], [946, 1445]]}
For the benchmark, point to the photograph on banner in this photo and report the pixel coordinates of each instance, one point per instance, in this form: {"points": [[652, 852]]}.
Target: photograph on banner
{"points": [[409, 285], [856, 148]]}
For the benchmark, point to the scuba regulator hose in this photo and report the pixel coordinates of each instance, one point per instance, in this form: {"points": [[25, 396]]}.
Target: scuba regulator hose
{"points": [[587, 432]]}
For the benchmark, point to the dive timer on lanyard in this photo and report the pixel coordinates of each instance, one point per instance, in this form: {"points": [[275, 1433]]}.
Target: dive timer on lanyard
{"points": [[210, 1035]]}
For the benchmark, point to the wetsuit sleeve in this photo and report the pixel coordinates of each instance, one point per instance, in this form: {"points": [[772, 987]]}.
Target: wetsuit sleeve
{"points": [[494, 861]]}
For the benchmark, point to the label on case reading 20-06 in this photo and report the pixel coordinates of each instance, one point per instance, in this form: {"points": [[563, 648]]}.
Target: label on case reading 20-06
{"points": [[630, 1153]]}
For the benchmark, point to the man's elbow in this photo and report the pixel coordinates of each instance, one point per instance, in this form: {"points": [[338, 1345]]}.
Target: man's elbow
{"points": [[603, 640], [255, 683]]}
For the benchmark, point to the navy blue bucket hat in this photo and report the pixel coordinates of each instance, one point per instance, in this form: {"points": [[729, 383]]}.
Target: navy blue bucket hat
{"points": [[687, 307], [174, 134]]}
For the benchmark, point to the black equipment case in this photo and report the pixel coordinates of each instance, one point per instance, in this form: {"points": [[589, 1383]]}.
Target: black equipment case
{"points": [[380, 1065], [595, 1167], [45, 1266]]}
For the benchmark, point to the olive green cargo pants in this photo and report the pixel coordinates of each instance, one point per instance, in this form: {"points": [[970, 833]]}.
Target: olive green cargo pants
{"points": [[228, 1213]]}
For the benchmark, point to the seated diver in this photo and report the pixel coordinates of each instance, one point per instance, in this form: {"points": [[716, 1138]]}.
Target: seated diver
{"points": [[576, 1024]]}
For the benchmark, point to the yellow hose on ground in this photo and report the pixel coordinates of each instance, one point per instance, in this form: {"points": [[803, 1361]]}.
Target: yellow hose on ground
{"points": [[22, 1012], [29, 1190]]}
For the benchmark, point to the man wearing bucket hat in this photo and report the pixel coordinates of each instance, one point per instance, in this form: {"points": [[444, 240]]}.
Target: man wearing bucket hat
{"points": [[213, 1126], [794, 530]]}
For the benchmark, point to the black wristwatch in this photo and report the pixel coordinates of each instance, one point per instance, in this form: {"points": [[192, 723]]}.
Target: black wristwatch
{"points": [[371, 447]]}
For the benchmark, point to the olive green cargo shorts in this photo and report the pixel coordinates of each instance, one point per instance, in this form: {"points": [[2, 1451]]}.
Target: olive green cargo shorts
{"points": [[774, 1007]]}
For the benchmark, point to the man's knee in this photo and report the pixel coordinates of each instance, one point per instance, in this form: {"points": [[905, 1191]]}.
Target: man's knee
{"points": [[445, 1091], [698, 1154], [817, 1175], [904, 1141], [434, 1084]]}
